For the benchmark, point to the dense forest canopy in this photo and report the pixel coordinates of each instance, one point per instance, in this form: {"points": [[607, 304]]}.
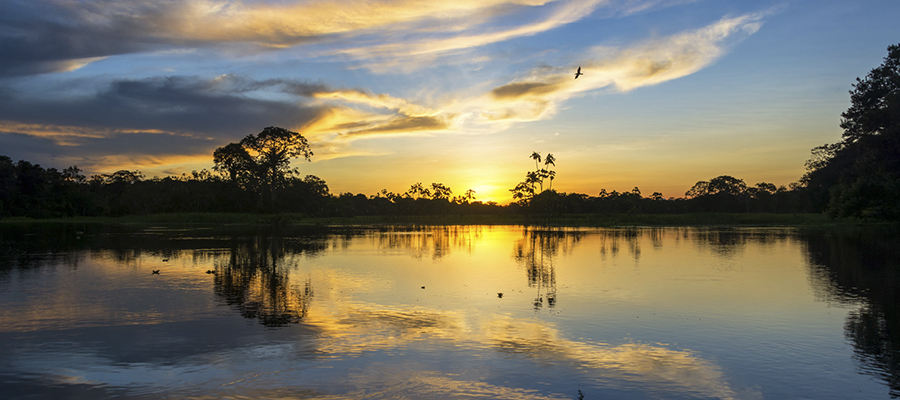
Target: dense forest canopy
{"points": [[858, 177]]}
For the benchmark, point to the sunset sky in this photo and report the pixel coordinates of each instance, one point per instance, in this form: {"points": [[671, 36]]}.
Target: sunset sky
{"points": [[391, 93]]}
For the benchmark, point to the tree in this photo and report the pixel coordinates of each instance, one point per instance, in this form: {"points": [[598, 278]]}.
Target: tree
{"points": [[721, 193], [875, 100], [548, 161], [265, 158], [534, 180], [469, 196], [701, 188], [233, 160], [860, 175], [417, 190], [727, 184], [537, 158], [439, 191]]}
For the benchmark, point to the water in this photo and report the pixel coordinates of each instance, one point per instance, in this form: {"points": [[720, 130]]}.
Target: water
{"points": [[448, 312]]}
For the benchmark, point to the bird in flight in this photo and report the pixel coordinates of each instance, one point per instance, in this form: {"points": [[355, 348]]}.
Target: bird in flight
{"points": [[578, 73]]}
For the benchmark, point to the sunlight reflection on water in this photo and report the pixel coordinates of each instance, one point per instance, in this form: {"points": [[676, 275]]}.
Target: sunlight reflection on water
{"points": [[433, 312]]}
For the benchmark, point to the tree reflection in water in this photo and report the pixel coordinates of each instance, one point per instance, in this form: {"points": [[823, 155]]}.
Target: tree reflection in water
{"points": [[535, 251], [256, 279], [434, 241], [863, 266]]}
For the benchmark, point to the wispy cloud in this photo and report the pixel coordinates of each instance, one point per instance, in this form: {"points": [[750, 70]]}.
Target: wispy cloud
{"points": [[422, 49], [41, 36], [540, 92], [651, 62], [70, 35]]}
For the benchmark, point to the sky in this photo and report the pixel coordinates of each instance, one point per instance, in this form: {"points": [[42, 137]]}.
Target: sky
{"points": [[391, 93]]}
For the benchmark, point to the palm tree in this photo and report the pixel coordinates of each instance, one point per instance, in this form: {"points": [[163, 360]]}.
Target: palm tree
{"points": [[550, 160], [537, 158]]}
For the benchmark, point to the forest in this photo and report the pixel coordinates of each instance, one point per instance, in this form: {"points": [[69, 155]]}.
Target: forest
{"points": [[857, 177]]}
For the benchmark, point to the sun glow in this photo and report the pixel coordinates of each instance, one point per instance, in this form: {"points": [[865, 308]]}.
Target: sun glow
{"points": [[486, 193]]}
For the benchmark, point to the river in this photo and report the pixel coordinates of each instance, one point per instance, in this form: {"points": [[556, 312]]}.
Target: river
{"points": [[456, 312]]}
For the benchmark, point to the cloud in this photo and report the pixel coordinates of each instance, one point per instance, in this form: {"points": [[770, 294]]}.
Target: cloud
{"points": [[354, 113], [41, 36], [219, 107], [137, 121], [517, 90], [423, 49], [55, 147], [622, 69], [404, 125], [665, 59], [147, 122]]}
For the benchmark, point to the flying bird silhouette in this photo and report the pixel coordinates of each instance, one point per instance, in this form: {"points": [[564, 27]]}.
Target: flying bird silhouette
{"points": [[578, 73]]}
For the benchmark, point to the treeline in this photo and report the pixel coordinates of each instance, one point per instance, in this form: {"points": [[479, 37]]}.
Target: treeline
{"points": [[735, 198], [30, 190]]}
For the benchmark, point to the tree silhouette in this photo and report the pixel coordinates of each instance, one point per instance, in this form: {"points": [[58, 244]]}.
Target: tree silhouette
{"points": [[439, 191], [722, 193], [233, 160], [537, 159], [860, 175], [470, 195], [418, 191], [265, 158], [548, 161], [533, 184], [874, 101]]}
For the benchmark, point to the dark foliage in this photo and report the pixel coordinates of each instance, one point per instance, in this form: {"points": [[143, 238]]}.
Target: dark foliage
{"points": [[859, 176], [30, 190]]}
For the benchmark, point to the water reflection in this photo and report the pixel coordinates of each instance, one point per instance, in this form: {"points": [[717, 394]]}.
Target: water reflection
{"points": [[435, 242], [862, 266], [254, 277], [361, 328], [679, 371], [343, 316], [535, 252]]}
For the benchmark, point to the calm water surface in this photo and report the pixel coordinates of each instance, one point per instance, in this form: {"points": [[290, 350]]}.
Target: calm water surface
{"points": [[448, 312]]}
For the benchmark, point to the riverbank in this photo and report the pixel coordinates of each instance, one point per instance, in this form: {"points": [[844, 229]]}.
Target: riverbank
{"points": [[584, 220]]}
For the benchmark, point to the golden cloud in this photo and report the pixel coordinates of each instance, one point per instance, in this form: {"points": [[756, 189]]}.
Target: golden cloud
{"points": [[539, 95], [566, 13], [644, 64], [290, 24], [521, 89]]}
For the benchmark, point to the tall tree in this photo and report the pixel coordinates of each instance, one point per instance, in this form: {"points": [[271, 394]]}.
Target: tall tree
{"points": [[874, 101], [537, 159], [860, 175], [264, 157], [527, 189], [549, 173]]}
